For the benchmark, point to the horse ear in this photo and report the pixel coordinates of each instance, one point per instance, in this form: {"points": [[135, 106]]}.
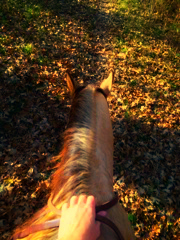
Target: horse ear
{"points": [[70, 83], [106, 85]]}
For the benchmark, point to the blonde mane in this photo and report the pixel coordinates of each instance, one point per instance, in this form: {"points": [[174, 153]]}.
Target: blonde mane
{"points": [[74, 170]]}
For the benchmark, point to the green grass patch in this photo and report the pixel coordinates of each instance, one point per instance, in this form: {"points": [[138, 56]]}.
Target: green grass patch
{"points": [[124, 50], [123, 4], [127, 115], [132, 218], [32, 12], [27, 48]]}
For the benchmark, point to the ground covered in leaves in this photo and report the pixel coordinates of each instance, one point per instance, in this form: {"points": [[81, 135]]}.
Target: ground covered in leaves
{"points": [[39, 41]]}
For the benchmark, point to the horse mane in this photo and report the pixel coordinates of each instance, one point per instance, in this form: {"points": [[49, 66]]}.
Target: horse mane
{"points": [[73, 171]]}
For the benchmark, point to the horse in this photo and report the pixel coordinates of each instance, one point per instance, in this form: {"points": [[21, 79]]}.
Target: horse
{"points": [[85, 167]]}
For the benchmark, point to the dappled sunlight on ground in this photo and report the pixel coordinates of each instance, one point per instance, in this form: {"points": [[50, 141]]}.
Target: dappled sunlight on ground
{"points": [[39, 42]]}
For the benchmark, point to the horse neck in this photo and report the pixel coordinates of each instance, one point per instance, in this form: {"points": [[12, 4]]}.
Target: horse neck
{"points": [[87, 156], [102, 165]]}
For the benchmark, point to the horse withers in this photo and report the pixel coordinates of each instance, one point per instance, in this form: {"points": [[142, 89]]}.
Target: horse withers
{"points": [[86, 167]]}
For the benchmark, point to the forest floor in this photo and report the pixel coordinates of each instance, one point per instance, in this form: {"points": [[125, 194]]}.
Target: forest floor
{"points": [[39, 41]]}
